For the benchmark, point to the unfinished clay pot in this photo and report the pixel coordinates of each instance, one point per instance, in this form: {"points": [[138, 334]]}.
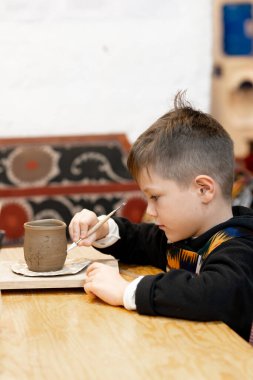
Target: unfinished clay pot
{"points": [[45, 245]]}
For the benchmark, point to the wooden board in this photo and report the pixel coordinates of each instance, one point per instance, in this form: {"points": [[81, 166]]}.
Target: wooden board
{"points": [[10, 280]]}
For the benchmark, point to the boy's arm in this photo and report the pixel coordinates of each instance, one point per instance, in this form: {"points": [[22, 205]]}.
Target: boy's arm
{"points": [[129, 294], [142, 243], [223, 291], [139, 243], [107, 241], [111, 237]]}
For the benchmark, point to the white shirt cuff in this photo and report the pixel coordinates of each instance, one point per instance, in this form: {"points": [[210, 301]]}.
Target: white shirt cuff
{"points": [[112, 236], [129, 294]]}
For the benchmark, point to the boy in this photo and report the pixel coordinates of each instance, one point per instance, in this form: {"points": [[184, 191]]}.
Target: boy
{"points": [[184, 166]]}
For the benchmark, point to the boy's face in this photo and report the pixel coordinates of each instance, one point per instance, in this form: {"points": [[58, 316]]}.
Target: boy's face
{"points": [[177, 211]]}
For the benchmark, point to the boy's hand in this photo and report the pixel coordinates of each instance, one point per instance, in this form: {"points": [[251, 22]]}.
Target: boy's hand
{"points": [[106, 283], [80, 225]]}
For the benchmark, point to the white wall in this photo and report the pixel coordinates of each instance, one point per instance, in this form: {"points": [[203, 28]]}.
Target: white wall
{"points": [[100, 66]]}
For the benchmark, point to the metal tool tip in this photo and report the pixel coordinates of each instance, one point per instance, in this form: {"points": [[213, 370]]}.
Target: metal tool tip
{"points": [[122, 205]]}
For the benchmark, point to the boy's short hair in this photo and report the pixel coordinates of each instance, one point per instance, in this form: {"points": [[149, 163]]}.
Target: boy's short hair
{"points": [[183, 144]]}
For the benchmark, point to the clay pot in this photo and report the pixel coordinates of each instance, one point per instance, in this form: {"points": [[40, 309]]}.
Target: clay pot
{"points": [[45, 245]]}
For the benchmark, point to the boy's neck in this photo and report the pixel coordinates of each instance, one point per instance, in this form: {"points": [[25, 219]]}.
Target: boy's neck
{"points": [[219, 214]]}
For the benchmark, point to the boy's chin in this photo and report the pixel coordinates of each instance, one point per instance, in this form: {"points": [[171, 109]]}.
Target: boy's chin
{"points": [[170, 238], [174, 238]]}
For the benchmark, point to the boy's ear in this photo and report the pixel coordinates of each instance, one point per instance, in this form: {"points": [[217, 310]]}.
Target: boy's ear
{"points": [[205, 186]]}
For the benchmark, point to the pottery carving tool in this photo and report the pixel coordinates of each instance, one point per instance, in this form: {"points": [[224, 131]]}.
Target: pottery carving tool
{"points": [[96, 227]]}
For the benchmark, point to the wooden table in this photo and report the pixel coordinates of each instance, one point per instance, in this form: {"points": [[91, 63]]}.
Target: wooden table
{"points": [[66, 334]]}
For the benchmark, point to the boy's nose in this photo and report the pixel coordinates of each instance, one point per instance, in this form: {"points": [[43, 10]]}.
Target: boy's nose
{"points": [[151, 210]]}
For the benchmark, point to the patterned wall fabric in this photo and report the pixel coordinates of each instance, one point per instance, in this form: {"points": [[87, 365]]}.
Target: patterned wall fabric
{"points": [[55, 177]]}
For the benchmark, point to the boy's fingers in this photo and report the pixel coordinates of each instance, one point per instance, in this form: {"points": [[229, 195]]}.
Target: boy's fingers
{"points": [[78, 229], [83, 229], [87, 287], [93, 267], [75, 230]]}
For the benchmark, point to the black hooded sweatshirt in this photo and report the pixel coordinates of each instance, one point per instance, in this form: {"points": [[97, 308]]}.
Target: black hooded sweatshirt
{"points": [[221, 291]]}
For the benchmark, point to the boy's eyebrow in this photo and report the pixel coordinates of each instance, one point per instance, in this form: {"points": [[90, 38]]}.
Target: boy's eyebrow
{"points": [[149, 188]]}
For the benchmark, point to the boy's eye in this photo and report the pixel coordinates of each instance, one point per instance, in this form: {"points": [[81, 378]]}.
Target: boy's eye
{"points": [[154, 197]]}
